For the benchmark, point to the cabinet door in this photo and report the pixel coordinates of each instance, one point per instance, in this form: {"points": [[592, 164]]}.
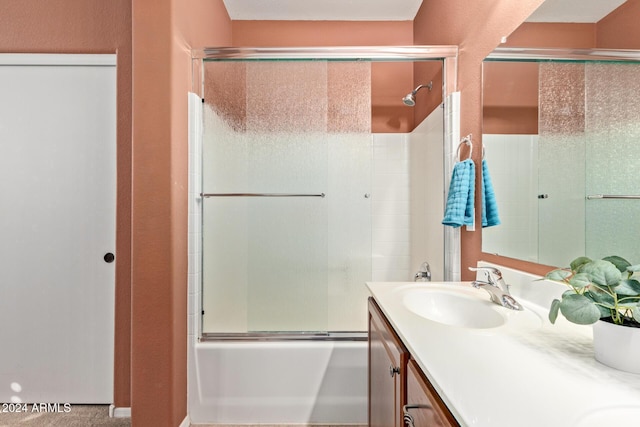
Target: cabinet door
{"points": [[387, 366], [424, 406]]}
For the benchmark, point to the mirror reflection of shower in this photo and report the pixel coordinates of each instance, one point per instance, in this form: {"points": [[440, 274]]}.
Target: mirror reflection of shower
{"points": [[410, 98]]}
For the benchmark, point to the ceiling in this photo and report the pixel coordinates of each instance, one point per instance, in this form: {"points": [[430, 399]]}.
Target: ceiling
{"points": [[398, 10], [323, 10], [574, 10]]}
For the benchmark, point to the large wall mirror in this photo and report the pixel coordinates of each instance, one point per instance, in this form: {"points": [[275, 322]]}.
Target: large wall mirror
{"points": [[561, 130]]}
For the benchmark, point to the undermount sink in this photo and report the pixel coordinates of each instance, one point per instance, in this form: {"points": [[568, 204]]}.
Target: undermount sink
{"points": [[465, 307]]}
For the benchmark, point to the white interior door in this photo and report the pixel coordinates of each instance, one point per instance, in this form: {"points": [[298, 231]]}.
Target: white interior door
{"points": [[57, 222]]}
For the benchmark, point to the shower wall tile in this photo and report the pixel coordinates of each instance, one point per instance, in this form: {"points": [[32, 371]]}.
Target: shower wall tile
{"points": [[391, 207], [195, 220], [451, 140], [426, 148], [391, 248], [391, 275]]}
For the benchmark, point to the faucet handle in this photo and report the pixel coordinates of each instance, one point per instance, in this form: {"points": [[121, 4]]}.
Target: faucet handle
{"points": [[424, 274], [494, 277], [492, 270]]}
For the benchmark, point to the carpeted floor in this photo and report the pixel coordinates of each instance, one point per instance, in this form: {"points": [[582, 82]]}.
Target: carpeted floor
{"points": [[77, 416]]}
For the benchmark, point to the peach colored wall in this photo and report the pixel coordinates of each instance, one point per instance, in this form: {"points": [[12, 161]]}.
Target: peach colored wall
{"points": [[427, 101], [163, 33], [620, 29], [90, 26], [476, 27], [322, 33], [153, 367], [550, 35], [510, 98], [203, 23], [389, 81]]}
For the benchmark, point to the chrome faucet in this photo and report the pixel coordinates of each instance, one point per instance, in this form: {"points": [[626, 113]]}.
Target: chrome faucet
{"points": [[424, 274], [497, 288]]}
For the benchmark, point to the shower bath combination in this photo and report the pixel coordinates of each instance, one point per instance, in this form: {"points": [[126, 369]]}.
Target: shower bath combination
{"points": [[249, 251], [410, 99]]}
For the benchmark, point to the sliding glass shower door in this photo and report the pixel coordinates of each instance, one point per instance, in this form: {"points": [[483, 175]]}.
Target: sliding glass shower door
{"points": [[286, 210]]}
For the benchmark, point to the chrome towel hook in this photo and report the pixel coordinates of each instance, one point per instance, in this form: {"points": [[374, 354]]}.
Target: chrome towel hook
{"points": [[466, 140]]}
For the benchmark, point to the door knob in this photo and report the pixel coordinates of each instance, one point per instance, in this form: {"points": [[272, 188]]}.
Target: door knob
{"points": [[393, 370]]}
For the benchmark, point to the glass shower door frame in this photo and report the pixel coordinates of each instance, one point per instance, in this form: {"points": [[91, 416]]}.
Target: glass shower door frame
{"points": [[446, 54]]}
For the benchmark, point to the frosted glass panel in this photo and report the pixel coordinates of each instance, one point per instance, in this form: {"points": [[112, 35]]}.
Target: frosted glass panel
{"points": [[561, 148], [514, 174], [613, 149], [287, 268], [286, 264], [349, 229]]}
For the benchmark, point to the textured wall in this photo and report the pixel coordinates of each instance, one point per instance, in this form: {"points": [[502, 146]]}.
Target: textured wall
{"points": [[163, 34]]}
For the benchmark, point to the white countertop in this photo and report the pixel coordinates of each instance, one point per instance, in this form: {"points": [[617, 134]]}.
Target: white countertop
{"points": [[534, 375]]}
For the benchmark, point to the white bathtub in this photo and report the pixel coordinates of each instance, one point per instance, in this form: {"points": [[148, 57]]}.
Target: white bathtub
{"points": [[288, 382]]}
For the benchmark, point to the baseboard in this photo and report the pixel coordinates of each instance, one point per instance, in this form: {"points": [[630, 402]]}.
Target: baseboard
{"points": [[186, 422], [120, 412]]}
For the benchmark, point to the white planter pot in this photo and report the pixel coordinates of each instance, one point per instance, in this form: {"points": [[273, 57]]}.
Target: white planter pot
{"points": [[617, 346]]}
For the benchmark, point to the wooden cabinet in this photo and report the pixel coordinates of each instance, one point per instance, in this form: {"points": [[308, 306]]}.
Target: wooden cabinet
{"points": [[387, 371], [424, 407], [397, 384]]}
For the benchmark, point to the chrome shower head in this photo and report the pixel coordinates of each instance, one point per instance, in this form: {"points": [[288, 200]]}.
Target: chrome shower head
{"points": [[410, 99]]}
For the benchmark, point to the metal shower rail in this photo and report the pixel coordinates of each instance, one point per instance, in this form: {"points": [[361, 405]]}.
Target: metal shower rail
{"points": [[612, 196], [260, 195]]}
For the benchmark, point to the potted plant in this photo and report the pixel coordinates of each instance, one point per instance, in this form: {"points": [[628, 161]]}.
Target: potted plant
{"points": [[605, 293]]}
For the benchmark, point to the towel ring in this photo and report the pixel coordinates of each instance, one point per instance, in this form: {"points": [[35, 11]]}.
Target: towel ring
{"points": [[466, 140]]}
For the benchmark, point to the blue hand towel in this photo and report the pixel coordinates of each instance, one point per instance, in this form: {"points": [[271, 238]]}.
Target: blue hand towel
{"points": [[459, 210], [489, 204]]}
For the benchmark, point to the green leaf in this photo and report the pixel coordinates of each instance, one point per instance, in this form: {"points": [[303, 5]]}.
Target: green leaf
{"points": [[579, 309], [636, 314], [634, 268], [600, 297], [620, 263], [579, 262], [580, 280], [602, 272], [604, 311], [557, 275], [553, 311], [629, 287]]}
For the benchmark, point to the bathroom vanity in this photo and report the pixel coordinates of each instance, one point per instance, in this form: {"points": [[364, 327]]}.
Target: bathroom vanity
{"points": [[397, 385], [442, 354]]}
